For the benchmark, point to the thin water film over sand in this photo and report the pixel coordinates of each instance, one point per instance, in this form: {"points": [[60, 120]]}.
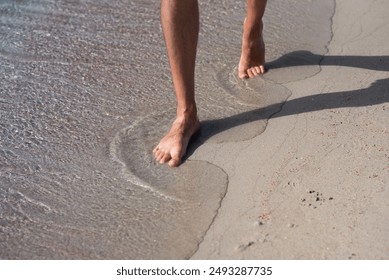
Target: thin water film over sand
{"points": [[85, 95]]}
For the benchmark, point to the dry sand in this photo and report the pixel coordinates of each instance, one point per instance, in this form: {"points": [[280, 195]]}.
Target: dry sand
{"points": [[315, 184]]}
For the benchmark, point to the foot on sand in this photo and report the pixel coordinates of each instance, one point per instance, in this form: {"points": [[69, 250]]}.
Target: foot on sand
{"points": [[173, 146], [252, 60]]}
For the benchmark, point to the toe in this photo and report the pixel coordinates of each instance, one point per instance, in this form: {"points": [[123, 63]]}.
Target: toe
{"points": [[243, 75], [176, 155], [173, 162], [159, 155], [258, 69], [250, 73], [165, 158]]}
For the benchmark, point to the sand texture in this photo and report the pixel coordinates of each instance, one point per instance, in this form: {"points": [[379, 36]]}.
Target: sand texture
{"points": [[291, 165], [315, 184]]}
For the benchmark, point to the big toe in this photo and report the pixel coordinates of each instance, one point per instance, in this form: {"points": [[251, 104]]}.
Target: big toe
{"points": [[173, 162], [243, 74], [176, 155]]}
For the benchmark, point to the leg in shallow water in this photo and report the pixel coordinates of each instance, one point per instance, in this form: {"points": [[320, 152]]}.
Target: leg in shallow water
{"points": [[180, 24]]}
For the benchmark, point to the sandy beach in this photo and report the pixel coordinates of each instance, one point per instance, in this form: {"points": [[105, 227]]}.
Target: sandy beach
{"points": [[315, 184], [291, 165]]}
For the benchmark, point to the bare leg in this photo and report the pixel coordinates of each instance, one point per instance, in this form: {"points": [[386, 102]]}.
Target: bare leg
{"points": [[180, 24], [252, 60]]}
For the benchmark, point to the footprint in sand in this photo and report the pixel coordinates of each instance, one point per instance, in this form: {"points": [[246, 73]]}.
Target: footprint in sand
{"points": [[256, 100], [195, 187], [293, 66]]}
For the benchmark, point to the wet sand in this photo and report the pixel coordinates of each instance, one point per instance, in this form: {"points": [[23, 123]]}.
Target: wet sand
{"points": [[291, 165], [315, 184]]}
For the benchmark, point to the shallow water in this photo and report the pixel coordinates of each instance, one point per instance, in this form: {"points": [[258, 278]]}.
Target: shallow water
{"points": [[86, 94]]}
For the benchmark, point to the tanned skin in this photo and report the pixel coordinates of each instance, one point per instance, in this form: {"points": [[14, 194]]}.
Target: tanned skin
{"points": [[180, 25]]}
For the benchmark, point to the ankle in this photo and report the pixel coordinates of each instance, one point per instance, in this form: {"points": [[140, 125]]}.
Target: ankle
{"points": [[186, 112]]}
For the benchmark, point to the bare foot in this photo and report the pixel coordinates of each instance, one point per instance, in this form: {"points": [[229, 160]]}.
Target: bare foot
{"points": [[252, 60], [173, 146]]}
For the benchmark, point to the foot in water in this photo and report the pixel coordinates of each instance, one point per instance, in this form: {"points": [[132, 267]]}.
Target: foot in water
{"points": [[252, 60], [173, 146]]}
